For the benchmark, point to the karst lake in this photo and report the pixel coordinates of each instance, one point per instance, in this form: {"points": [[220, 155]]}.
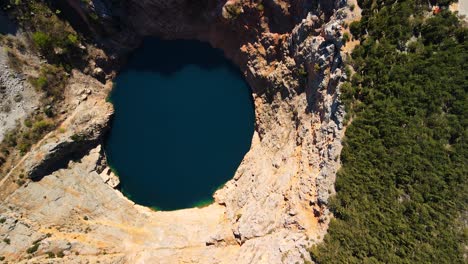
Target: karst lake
{"points": [[184, 120]]}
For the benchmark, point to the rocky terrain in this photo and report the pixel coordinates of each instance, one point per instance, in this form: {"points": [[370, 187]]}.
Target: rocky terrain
{"points": [[17, 97], [273, 209]]}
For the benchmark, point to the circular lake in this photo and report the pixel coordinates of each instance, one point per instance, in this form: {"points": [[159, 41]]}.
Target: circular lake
{"points": [[184, 120]]}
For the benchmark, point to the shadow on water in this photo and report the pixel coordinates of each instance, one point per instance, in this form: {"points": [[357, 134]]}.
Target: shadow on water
{"points": [[159, 60], [184, 119], [6, 25]]}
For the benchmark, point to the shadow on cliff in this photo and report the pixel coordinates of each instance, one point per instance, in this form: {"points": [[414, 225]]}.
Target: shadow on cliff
{"points": [[167, 57], [61, 159]]}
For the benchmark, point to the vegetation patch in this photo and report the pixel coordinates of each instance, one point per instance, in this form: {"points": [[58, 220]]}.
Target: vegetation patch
{"points": [[232, 11], [54, 38], [260, 7], [60, 254], [402, 187], [346, 37], [22, 138], [14, 61], [51, 80], [78, 137], [33, 248]]}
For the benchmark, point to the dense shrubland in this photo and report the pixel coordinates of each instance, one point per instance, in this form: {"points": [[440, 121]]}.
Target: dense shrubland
{"points": [[402, 191]]}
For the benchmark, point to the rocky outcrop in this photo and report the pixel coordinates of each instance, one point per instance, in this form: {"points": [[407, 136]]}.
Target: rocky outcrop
{"points": [[276, 204], [84, 131]]}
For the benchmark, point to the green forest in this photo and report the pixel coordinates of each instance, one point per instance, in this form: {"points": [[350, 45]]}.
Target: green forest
{"points": [[402, 190]]}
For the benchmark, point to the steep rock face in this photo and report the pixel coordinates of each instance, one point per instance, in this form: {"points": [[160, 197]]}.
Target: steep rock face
{"points": [[286, 178], [276, 204], [225, 24]]}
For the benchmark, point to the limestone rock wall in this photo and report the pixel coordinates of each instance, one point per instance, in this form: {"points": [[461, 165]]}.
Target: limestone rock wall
{"points": [[276, 204]]}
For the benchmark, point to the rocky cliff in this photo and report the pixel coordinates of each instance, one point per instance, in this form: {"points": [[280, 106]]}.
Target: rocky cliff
{"points": [[273, 209]]}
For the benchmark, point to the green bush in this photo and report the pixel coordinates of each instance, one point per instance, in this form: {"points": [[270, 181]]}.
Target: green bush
{"points": [[233, 10], [316, 67], [355, 29], [10, 139], [260, 7], [42, 126], [345, 37], [20, 182], [42, 40], [28, 122], [72, 39], [33, 248], [78, 137], [302, 72], [24, 147], [41, 82]]}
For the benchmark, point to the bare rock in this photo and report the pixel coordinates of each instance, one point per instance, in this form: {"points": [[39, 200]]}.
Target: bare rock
{"points": [[110, 178]]}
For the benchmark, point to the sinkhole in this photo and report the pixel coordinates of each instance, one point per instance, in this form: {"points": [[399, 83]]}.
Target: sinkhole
{"points": [[184, 119]]}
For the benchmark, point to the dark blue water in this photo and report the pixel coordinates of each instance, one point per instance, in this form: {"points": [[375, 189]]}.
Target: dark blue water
{"points": [[6, 25], [183, 121]]}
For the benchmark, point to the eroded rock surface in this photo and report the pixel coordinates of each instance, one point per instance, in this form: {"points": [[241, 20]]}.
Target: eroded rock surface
{"points": [[276, 204], [17, 97]]}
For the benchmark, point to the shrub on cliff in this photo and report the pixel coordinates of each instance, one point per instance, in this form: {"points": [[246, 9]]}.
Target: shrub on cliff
{"points": [[32, 249], [42, 126], [232, 10], [22, 138], [52, 80], [346, 37], [42, 40]]}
